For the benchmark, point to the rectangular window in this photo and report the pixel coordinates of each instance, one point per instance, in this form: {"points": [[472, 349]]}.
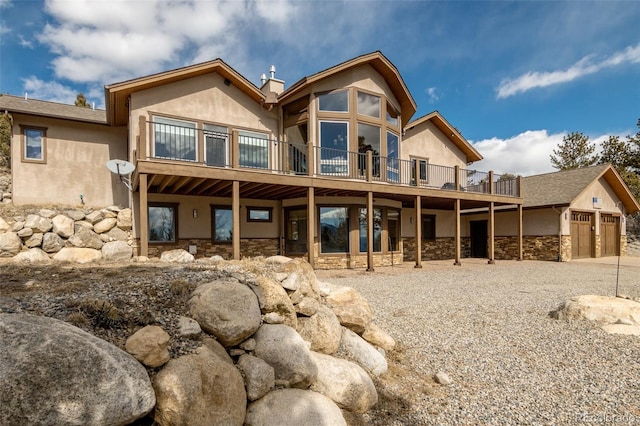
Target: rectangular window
{"points": [[216, 150], [34, 147], [393, 225], [296, 223], [423, 170], [369, 140], [368, 105], [392, 115], [174, 139], [334, 143], [335, 101], [428, 227], [377, 230], [163, 219], [222, 224], [393, 164], [259, 214], [254, 150], [334, 230]]}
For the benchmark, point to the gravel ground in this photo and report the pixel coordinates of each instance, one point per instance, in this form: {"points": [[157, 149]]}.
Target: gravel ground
{"points": [[487, 327]]}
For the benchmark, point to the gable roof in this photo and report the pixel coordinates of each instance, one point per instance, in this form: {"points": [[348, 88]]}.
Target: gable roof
{"points": [[117, 94], [562, 188], [21, 105], [378, 62], [450, 132]]}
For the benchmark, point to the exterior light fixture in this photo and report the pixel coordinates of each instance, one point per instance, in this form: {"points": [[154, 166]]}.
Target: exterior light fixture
{"points": [[195, 213]]}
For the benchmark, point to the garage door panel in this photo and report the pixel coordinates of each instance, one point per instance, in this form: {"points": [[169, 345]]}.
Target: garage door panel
{"points": [[581, 235]]}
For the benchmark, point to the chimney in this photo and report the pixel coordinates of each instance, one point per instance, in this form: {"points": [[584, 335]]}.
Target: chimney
{"points": [[272, 84]]}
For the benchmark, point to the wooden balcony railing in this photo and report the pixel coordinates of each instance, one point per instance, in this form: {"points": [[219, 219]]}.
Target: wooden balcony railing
{"points": [[234, 150]]}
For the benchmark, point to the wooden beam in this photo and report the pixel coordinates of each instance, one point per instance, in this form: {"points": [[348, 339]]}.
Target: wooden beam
{"points": [[457, 261], [311, 225], [235, 211], [370, 230], [492, 234], [520, 235], [208, 185], [144, 217], [143, 143], [418, 230], [180, 183], [193, 185], [167, 181]]}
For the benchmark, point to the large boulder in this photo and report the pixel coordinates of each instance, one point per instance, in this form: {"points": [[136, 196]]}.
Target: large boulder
{"points": [[259, 377], [177, 256], [52, 243], [322, 330], [33, 255], [345, 383], [201, 389], [105, 225], [378, 337], [293, 407], [300, 275], [149, 345], [351, 308], [10, 244], [38, 223], [63, 226], [116, 234], [228, 310], [604, 309], [124, 219], [273, 298], [283, 349], [34, 240], [94, 217], [84, 237], [117, 251], [4, 226], [52, 373], [77, 255], [360, 351]]}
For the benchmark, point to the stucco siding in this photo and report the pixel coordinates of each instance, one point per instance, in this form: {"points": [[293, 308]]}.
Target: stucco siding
{"points": [[427, 141]]}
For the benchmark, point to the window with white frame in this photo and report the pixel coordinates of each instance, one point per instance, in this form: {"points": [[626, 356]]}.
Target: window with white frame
{"points": [[174, 139]]}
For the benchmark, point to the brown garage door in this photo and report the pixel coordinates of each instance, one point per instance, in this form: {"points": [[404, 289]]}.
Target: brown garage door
{"points": [[580, 235], [609, 235]]}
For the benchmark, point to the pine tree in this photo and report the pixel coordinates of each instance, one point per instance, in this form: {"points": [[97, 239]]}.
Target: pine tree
{"points": [[81, 101], [575, 151], [5, 139]]}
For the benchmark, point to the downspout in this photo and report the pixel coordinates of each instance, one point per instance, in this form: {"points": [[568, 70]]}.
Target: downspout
{"points": [[559, 232]]}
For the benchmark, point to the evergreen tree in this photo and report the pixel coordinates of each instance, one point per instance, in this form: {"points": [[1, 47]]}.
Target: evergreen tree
{"points": [[616, 152], [81, 101], [6, 122], [575, 151]]}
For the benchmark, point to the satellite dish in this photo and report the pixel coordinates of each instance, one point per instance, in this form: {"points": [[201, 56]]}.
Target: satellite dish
{"points": [[123, 169]]}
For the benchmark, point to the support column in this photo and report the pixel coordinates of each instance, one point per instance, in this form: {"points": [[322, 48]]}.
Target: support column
{"points": [[369, 231], [418, 231], [144, 217], [311, 225], [492, 233], [235, 212], [520, 233], [457, 261]]}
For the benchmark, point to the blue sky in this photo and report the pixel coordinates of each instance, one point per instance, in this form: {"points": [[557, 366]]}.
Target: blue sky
{"points": [[514, 77]]}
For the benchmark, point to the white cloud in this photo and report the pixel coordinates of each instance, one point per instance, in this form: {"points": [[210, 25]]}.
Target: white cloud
{"points": [[49, 90], [24, 42], [5, 3], [585, 66], [432, 92]]}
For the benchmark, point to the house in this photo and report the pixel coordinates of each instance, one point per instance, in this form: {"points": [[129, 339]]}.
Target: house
{"points": [[331, 168], [567, 215]]}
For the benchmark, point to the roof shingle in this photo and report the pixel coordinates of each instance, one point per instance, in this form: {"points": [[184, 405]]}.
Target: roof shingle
{"points": [[51, 109]]}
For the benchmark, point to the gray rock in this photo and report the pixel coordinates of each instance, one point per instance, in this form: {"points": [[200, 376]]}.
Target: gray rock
{"points": [[34, 241], [77, 255], [443, 378], [378, 337], [85, 238], [307, 306], [345, 383], [177, 256], [259, 377], [38, 223], [294, 407], [33, 255], [200, 389], [117, 234], [322, 330], [94, 217], [274, 299], [75, 214], [149, 345], [10, 244], [362, 353], [17, 226], [47, 213], [188, 327], [228, 310], [4, 226], [63, 226], [283, 349], [248, 345], [105, 225], [25, 232], [351, 308], [124, 219], [273, 318], [117, 251], [278, 259], [291, 282], [52, 243], [53, 373]]}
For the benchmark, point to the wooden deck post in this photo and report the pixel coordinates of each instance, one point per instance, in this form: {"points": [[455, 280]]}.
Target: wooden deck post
{"points": [[456, 178], [142, 131], [418, 231], [310, 160], [491, 189], [457, 261], [235, 149], [369, 227], [520, 234], [235, 212], [311, 225], [369, 174], [144, 217], [492, 236]]}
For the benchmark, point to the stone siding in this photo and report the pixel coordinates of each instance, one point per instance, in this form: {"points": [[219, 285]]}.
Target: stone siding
{"points": [[249, 247], [439, 249], [346, 261]]}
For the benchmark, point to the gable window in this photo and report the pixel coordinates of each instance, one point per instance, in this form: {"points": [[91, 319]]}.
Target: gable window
{"points": [[163, 218], [334, 101], [377, 230], [222, 224], [259, 214], [334, 229], [368, 105], [216, 145], [254, 149], [34, 145], [174, 139], [334, 143], [428, 227]]}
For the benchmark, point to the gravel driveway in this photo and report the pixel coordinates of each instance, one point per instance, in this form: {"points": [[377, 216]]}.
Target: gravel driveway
{"points": [[487, 327]]}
